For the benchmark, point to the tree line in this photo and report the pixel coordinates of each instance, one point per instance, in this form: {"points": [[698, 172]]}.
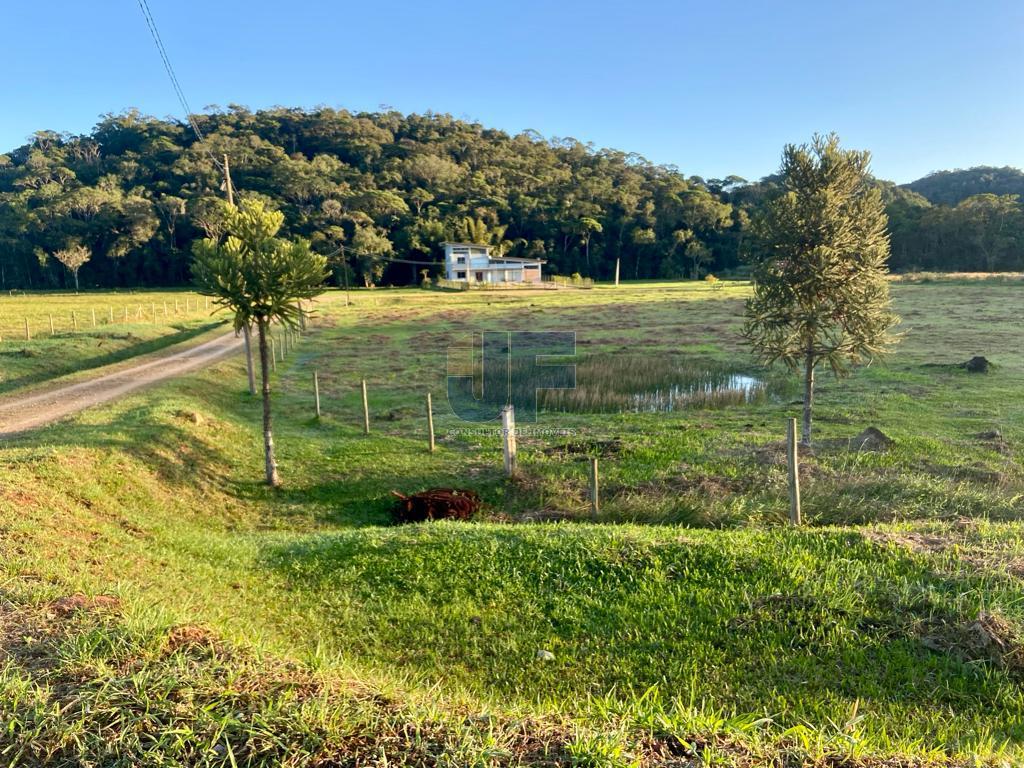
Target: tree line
{"points": [[136, 191]]}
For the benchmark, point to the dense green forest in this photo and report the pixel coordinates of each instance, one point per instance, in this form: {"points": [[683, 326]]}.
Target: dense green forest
{"points": [[138, 190], [952, 187]]}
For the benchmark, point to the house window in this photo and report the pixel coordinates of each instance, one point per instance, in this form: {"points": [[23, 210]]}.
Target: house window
{"points": [[460, 275], [460, 260], [479, 277]]}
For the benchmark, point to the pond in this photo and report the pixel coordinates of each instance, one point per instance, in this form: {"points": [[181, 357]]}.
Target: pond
{"points": [[658, 384], [714, 389]]}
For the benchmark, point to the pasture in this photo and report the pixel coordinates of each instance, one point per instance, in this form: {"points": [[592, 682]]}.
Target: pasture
{"points": [[687, 620], [49, 334]]}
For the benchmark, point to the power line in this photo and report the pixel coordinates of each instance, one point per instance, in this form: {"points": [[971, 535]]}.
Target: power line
{"points": [[381, 257], [147, 14]]}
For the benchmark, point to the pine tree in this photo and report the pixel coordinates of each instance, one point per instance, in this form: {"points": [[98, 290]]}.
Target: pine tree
{"points": [[262, 279], [820, 287]]}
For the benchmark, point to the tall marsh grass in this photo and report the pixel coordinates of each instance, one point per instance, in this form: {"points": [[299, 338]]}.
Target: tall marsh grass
{"points": [[616, 383]]}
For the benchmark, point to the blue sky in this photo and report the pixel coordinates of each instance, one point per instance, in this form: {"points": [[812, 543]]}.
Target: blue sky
{"points": [[714, 88]]}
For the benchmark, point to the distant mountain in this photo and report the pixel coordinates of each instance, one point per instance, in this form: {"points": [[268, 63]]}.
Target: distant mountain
{"points": [[950, 187]]}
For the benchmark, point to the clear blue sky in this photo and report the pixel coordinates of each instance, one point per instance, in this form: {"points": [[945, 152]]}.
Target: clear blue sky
{"points": [[714, 88]]}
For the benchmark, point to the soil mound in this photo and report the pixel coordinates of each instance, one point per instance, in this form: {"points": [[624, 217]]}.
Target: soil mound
{"points": [[977, 364], [435, 504]]}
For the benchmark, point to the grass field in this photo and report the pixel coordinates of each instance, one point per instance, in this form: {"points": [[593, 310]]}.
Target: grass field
{"points": [[92, 329], [689, 622]]}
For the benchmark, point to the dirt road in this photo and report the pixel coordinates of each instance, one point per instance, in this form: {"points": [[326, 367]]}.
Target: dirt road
{"points": [[19, 413]]}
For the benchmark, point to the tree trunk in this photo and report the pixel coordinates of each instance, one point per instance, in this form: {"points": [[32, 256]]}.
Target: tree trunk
{"points": [[76, 281], [268, 436], [808, 398]]}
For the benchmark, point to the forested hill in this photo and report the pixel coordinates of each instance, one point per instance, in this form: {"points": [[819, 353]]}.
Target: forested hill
{"points": [[137, 191], [952, 187]]}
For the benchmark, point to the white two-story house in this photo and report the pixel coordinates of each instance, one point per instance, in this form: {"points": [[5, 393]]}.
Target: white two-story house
{"points": [[475, 264]]}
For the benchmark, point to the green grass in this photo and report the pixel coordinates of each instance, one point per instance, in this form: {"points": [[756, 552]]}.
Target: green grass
{"points": [[91, 330], [687, 619]]}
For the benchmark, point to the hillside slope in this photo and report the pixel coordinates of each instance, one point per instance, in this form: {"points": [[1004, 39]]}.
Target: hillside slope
{"points": [[248, 623], [951, 187]]}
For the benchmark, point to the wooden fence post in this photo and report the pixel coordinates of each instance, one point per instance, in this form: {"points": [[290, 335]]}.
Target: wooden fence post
{"points": [[28, 331], [126, 315], [430, 422], [93, 317], [51, 324], [793, 460], [366, 411], [273, 354], [316, 392], [594, 496], [508, 434], [74, 321], [111, 315]]}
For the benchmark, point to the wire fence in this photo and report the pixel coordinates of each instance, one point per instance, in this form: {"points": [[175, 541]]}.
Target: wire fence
{"points": [[39, 318]]}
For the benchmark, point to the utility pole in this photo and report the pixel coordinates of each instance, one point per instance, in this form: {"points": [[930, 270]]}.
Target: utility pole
{"points": [[344, 272], [246, 331], [227, 181]]}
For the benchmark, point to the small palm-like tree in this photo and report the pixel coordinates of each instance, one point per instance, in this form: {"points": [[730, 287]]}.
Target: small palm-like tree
{"points": [[262, 279]]}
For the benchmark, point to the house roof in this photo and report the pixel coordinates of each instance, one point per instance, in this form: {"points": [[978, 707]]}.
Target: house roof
{"points": [[474, 245]]}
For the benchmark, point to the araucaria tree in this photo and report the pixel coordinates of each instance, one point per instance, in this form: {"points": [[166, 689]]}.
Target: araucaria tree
{"points": [[262, 279], [820, 287], [73, 257]]}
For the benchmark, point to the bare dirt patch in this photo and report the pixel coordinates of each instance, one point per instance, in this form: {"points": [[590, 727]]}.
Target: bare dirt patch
{"points": [[990, 637], [66, 606], [192, 637], [911, 540]]}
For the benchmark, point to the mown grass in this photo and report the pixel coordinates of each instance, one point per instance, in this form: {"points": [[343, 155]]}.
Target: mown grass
{"points": [[91, 329], [868, 634]]}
